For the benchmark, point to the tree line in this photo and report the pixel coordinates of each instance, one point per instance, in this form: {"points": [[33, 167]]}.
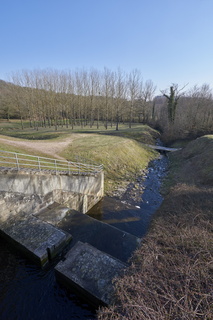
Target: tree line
{"points": [[51, 97], [92, 97]]}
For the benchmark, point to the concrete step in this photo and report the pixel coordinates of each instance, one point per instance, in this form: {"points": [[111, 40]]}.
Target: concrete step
{"points": [[104, 237], [90, 272], [39, 240], [53, 214], [99, 253]]}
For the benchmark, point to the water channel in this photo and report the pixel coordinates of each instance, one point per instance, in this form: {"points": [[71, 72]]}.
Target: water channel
{"points": [[30, 293]]}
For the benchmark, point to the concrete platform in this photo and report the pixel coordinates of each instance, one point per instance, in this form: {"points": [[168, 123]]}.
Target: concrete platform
{"points": [[53, 214], [90, 272], [39, 240]]}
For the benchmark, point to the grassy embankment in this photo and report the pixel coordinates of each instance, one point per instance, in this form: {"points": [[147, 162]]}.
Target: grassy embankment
{"points": [[171, 275], [122, 156]]}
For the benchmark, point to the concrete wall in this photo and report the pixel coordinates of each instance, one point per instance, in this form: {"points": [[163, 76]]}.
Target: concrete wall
{"points": [[88, 189]]}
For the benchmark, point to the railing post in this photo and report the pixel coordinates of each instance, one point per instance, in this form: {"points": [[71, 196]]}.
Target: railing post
{"points": [[39, 164], [69, 167], [17, 163], [55, 166]]}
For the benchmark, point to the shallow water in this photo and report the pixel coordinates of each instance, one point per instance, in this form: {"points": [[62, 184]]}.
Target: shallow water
{"points": [[30, 293]]}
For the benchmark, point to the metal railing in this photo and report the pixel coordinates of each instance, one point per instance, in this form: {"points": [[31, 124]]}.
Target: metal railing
{"points": [[20, 162]]}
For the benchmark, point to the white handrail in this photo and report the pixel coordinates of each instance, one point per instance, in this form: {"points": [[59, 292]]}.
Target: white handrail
{"points": [[21, 161]]}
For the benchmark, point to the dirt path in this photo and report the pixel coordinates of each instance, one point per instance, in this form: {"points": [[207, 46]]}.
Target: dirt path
{"points": [[51, 148]]}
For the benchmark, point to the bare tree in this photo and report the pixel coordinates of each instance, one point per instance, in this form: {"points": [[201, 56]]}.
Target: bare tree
{"points": [[93, 90], [17, 95], [134, 86], [120, 95], [199, 109], [146, 100]]}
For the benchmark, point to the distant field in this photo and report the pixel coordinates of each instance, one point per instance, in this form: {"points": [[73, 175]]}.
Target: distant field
{"points": [[139, 132]]}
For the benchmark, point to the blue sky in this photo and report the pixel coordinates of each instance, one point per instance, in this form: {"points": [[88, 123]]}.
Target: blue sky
{"points": [[169, 41]]}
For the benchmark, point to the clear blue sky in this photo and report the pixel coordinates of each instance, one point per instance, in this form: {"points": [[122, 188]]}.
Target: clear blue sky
{"points": [[169, 41]]}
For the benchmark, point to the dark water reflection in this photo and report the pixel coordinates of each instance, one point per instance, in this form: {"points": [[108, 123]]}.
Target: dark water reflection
{"points": [[29, 293], [120, 215]]}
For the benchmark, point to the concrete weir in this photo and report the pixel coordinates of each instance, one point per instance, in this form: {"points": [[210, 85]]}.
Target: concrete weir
{"points": [[91, 272], [98, 252], [39, 240], [80, 192], [104, 237]]}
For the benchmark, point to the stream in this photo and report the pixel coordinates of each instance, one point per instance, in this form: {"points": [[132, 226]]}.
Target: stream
{"points": [[132, 211], [29, 293]]}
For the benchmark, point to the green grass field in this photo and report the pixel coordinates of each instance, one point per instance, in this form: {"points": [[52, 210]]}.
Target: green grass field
{"points": [[12, 128]]}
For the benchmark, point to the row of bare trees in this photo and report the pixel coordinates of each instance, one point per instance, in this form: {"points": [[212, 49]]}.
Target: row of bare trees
{"points": [[51, 97], [92, 97]]}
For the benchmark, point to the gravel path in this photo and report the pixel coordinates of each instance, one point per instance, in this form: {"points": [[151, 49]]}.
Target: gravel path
{"points": [[51, 148]]}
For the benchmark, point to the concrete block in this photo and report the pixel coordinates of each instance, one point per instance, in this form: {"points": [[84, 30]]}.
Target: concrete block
{"points": [[53, 213], [40, 183], [90, 272], [39, 240]]}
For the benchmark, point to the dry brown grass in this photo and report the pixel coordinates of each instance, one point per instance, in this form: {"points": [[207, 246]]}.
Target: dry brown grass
{"points": [[171, 274]]}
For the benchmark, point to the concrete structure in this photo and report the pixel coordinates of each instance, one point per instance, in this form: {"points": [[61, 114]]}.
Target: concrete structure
{"points": [[43, 232], [90, 272], [54, 213], [35, 204], [104, 237], [37, 239], [79, 192], [163, 149]]}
